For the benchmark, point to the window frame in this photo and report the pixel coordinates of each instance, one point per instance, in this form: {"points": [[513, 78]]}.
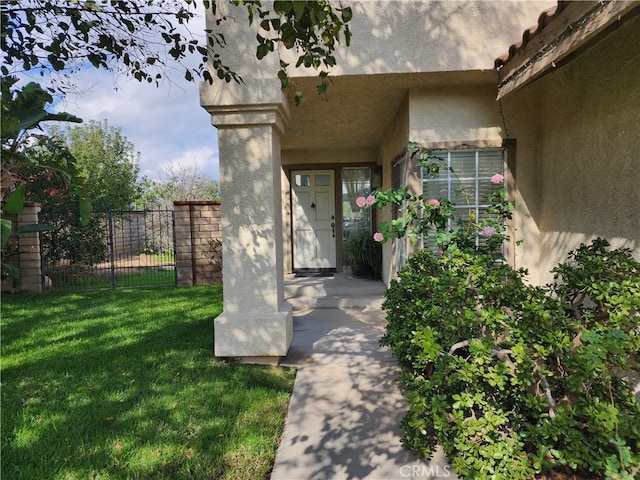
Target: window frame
{"points": [[479, 182]]}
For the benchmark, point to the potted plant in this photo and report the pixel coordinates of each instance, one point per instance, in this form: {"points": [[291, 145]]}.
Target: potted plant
{"points": [[364, 255]]}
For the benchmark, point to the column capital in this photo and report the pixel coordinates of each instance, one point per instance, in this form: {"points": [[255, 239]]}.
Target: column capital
{"points": [[255, 102]]}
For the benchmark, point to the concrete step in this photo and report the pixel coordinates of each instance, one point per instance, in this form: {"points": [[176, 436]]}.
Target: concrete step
{"points": [[340, 291], [341, 302]]}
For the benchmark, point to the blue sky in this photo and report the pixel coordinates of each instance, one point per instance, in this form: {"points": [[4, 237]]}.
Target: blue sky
{"points": [[165, 124]]}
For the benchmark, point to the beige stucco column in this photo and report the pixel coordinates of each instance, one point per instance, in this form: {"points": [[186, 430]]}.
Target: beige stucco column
{"points": [[256, 325]]}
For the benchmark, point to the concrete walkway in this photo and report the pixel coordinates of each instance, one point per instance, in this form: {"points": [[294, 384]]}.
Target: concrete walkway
{"points": [[344, 415]]}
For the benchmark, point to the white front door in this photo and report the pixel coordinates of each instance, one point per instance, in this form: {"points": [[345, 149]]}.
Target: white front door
{"points": [[314, 232]]}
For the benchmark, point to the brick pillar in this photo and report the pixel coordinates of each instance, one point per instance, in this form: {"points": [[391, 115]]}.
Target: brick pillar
{"points": [[26, 252], [197, 222], [184, 253]]}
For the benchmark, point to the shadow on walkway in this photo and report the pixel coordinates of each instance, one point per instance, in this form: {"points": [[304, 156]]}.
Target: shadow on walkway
{"points": [[344, 415]]}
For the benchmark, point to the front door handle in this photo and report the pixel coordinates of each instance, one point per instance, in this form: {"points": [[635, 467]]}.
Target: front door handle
{"points": [[333, 230]]}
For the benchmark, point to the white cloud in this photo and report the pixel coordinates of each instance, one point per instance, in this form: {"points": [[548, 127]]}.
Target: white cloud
{"points": [[165, 124], [204, 158]]}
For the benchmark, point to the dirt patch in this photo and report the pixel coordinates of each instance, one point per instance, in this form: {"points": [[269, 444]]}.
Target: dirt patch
{"points": [[142, 260]]}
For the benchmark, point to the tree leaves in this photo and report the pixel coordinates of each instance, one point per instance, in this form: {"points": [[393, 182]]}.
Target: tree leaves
{"points": [[121, 35], [312, 28], [15, 201]]}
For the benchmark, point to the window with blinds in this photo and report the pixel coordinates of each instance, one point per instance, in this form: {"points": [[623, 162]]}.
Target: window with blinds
{"points": [[466, 182]]}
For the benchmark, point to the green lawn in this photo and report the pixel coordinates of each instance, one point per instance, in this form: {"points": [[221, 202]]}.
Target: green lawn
{"points": [[103, 278], [123, 385]]}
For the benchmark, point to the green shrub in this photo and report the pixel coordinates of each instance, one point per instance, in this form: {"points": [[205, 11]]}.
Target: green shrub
{"points": [[364, 255], [513, 379]]}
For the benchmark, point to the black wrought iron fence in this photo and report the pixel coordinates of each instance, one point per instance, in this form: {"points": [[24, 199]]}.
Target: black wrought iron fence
{"points": [[118, 249]]}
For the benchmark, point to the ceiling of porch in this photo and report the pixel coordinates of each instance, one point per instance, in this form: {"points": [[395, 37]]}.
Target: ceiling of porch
{"points": [[358, 109]]}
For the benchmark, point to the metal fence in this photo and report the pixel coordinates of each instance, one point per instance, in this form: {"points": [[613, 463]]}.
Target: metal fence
{"points": [[118, 249]]}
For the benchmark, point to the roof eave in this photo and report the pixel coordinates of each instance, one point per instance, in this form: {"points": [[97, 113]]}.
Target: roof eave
{"points": [[563, 33]]}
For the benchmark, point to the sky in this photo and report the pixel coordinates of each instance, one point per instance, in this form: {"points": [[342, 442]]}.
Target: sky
{"points": [[165, 124]]}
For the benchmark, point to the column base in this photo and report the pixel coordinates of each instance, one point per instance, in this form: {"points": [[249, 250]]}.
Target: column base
{"points": [[262, 336]]}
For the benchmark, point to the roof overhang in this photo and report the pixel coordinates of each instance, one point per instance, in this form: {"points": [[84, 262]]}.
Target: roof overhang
{"points": [[559, 36], [358, 109]]}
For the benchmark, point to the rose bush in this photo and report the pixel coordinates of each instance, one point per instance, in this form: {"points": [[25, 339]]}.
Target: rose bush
{"points": [[513, 379]]}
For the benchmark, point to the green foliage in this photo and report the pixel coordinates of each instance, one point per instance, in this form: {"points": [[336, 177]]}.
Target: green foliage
{"points": [[215, 251], [122, 385], [108, 163], [364, 255], [514, 379], [68, 35], [179, 182], [101, 34], [312, 28], [23, 111], [451, 227]]}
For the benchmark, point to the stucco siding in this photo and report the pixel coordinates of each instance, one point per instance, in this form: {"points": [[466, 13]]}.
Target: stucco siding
{"points": [[393, 143], [578, 161], [287, 242], [454, 116], [331, 156], [398, 37]]}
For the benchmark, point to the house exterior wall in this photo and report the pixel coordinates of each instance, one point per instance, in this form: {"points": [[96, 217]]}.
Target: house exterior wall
{"points": [[397, 37], [463, 116], [456, 117], [334, 156], [368, 116], [393, 144], [578, 154]]}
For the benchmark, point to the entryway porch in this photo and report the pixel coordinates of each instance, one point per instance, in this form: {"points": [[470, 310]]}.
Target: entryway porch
{"points": [[339, 290]]}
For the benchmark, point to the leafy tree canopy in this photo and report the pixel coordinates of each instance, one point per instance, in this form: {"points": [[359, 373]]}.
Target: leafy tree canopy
{"points": [[142, 38], [109, 162]]}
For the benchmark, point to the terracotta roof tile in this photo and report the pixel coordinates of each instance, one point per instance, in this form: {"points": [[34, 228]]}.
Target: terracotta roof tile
{"points": [[543, 20]]}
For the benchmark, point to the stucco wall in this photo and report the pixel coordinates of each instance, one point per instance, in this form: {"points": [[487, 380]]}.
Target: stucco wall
{"points": [[398, 36], [329, 155], [393, 143], [451, 116], [578, 153]]}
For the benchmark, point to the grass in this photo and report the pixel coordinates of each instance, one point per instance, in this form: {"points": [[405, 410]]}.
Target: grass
{"points": [[101, 278], [123, 385]]}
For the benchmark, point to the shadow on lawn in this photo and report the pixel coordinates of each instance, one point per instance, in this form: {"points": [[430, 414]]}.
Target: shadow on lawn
{"points": [[133, 394]]}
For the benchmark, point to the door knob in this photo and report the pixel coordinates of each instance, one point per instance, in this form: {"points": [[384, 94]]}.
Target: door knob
{"points": [[313, 205]]}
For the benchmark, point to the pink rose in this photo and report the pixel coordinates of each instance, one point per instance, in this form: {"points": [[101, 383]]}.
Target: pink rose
{"points": [[497, 178], [488, 231], [434, 202], [361, 201], [378, 237], [370, 200], [53, 193]]}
